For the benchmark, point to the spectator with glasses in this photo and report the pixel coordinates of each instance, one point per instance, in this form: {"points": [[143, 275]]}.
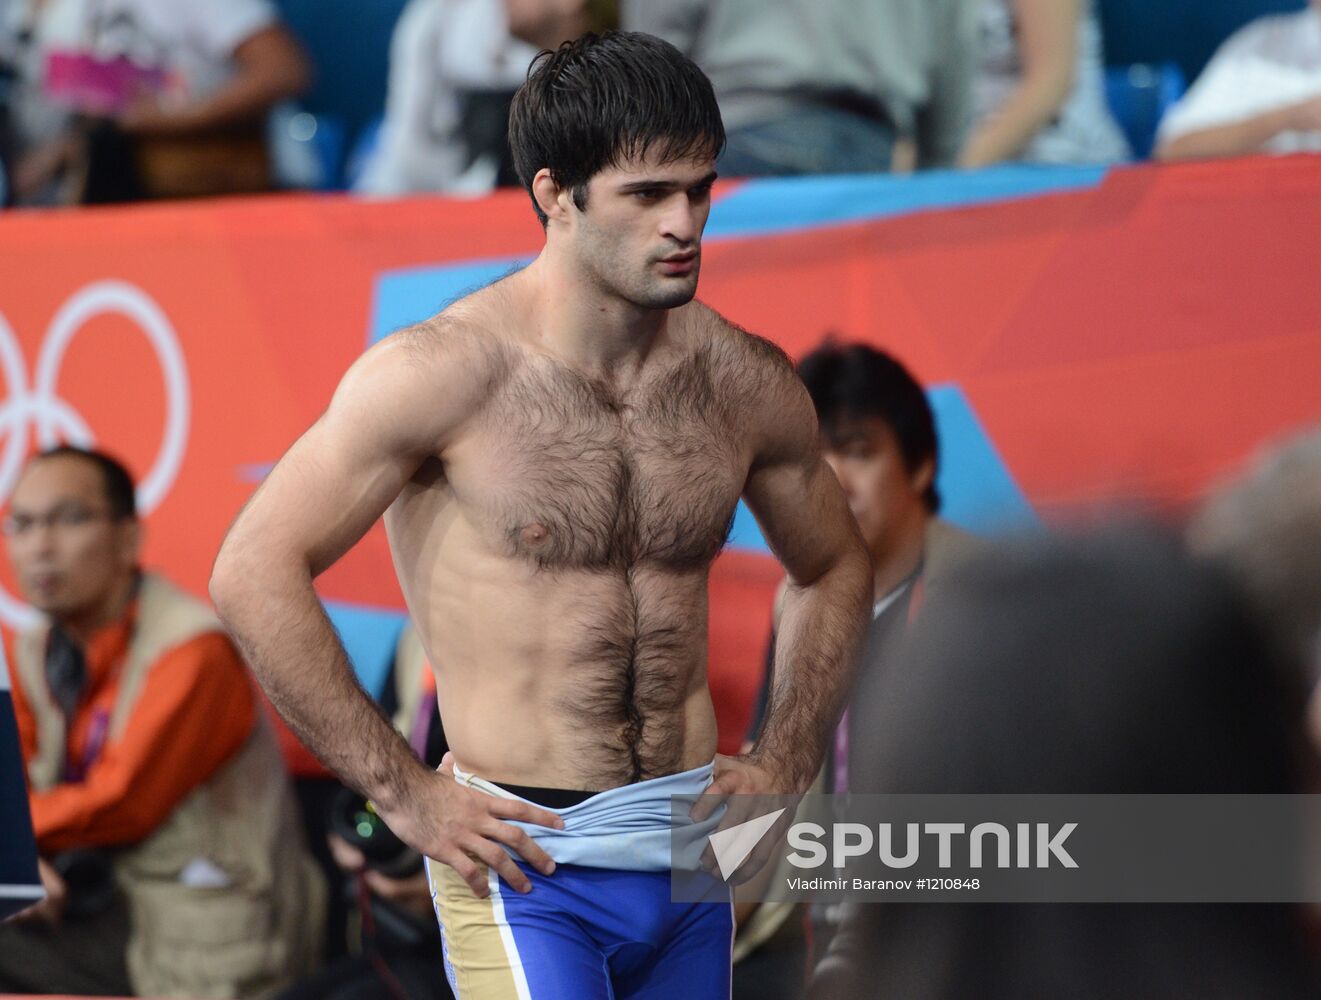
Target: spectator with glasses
{"points": [[171, 850]]}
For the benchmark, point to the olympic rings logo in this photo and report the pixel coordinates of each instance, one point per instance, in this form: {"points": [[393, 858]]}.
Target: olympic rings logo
{"points": [[38, 407]]}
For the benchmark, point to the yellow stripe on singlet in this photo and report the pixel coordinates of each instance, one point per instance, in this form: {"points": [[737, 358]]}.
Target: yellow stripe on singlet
{"points": [[479, 944]]}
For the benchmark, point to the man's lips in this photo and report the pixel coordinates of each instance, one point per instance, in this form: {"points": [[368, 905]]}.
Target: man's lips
{"points": [[679, 263], [44, 582]]}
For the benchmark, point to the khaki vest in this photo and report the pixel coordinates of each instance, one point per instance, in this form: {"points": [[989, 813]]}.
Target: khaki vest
{"points": [[410, 662], [243, 940]]}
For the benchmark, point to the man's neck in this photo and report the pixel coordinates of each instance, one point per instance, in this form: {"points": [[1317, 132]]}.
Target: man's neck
{"points": [[81, 626], [901, 561], [600, 334]]}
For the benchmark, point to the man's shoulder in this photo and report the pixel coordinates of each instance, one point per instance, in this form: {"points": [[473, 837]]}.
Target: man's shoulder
{"points": [[746, 352], [465, 344], [1265, 37]]}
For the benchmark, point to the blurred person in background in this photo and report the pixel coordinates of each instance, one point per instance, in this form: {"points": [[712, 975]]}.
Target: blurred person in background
{"points": [[1260, 93], [827, 86], [124, 99], [1040, 94], [879, 437], [1264, 525], [171, 848], [454, 67], [1105, 665], [398, 950]]}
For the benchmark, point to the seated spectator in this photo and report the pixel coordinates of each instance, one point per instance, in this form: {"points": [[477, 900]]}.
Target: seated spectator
{"points": [[125, 99], [1109, 665], [826, 86], [1040, 95], [170, 842], [879, 436], [400, 951], [454, 67], [1260, 93]]}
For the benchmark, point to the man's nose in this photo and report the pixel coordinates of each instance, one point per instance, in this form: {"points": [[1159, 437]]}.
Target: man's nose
{"points": [[681, 222]]}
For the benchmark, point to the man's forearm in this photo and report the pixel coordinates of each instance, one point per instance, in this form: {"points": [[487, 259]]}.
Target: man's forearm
{"points": [[1234, 139], [820, 635], [284, 633]]}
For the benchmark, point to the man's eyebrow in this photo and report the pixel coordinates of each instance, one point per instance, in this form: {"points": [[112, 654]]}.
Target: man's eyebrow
{"points": [[665, 184]]}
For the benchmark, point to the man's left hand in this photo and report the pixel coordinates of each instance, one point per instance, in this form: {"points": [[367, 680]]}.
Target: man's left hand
{"points": [[51, 909], [748, 788], [145, 116]]}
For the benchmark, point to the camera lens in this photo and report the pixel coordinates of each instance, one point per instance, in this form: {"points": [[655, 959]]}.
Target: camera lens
{"points": [[355, 820]]}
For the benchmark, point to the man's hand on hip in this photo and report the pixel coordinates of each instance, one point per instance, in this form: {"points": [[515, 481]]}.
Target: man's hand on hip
{"points": [[748, 788], [462, 827]]}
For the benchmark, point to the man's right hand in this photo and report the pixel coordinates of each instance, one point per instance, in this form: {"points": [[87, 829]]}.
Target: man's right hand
{"points": [[1305, 116], [465, 828]]}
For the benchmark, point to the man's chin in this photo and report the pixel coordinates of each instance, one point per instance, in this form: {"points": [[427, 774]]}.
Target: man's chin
{"points": [[50, 605], [674, 293]]}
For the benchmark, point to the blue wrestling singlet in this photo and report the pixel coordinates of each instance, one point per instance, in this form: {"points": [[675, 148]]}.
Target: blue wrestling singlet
{"points": [[603, 926]]}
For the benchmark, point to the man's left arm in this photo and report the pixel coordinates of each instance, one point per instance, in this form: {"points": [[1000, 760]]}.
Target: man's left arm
{"points": [[196, 709], [827, 597]]}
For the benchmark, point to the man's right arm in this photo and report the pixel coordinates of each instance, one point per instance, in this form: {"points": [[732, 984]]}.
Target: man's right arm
{"points": [[1242, 137], [399, 404]]}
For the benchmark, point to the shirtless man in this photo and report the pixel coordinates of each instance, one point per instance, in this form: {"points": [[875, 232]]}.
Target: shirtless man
{"points": [[558, 457]]}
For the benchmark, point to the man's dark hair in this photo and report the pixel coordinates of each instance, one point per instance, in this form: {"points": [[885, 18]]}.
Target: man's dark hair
{"points": [[600, 100], [856, 382], [118, 483]]}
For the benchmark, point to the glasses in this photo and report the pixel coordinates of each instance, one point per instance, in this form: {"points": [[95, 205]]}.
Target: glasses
{"points": [[66, 517]]}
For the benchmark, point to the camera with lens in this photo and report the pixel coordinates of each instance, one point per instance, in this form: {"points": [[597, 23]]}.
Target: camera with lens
{"points": [[355, 819]]}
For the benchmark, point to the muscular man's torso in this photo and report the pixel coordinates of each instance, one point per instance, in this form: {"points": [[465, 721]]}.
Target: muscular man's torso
{"points": [[554, 555]]}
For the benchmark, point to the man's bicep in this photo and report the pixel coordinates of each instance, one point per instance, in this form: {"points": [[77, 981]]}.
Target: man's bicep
{"points": [[790, 489], [803, 514]]}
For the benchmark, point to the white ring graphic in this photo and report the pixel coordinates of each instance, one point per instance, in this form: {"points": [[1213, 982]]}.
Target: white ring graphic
{"points": [[54, 419]]}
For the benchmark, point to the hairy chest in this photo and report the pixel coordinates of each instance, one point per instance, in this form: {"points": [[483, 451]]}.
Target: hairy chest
{"points": [[563, 473]]}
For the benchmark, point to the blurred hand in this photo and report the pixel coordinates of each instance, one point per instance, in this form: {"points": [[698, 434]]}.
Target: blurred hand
{"points": [[39, 166], [145, 116], [412, 893], [1306, 116], [348, 857], [51, 909], [461, 827]]}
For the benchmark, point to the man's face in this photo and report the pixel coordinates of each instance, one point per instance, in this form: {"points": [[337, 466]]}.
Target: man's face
{"points": [[640, 235], [885, 497], [68, 552]]}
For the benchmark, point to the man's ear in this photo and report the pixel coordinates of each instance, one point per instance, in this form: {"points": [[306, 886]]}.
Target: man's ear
{"points": [[131, 534], [923, 475], [552, 199]]}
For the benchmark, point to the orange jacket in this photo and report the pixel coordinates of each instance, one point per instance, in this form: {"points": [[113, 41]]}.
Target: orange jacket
{"points": [[195, 711]]}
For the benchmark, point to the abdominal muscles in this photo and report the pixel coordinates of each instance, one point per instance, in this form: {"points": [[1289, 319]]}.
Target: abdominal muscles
{"points": [[575, 679]]}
